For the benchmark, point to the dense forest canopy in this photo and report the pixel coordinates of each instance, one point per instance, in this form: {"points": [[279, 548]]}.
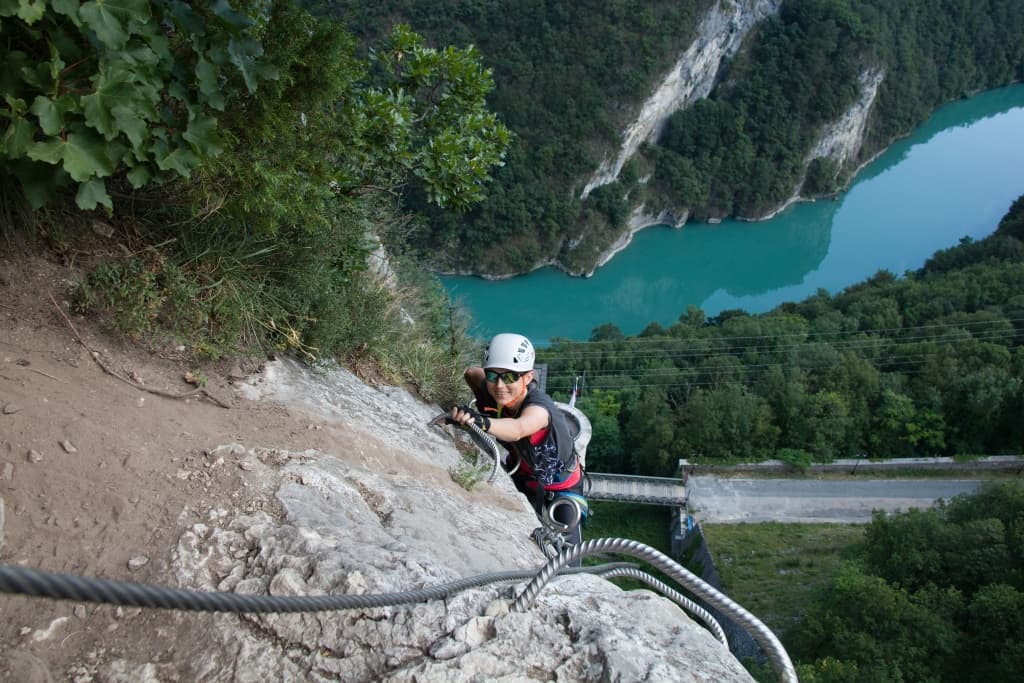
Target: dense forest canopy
{"points": [[931, 363], [569, 75], [933, 595]]}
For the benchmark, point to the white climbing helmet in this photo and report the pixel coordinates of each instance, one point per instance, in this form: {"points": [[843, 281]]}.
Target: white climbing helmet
{"points": [[509, 352]]}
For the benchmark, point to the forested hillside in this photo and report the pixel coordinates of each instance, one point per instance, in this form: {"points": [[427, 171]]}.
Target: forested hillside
{"points": [[568, 75], [931, 363]]}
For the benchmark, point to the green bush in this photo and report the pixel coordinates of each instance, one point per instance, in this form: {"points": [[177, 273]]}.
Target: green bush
{"points": [[130, 88]]}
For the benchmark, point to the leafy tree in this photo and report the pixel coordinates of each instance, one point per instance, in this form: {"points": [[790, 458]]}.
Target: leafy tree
{"points": [[727, 421], [95, 89], [888, 633], [904, 429]]}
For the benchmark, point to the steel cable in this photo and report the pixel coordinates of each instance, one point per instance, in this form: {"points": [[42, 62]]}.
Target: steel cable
{"points": [[674, 595], [483, 441], [44, 584], [759, 632]]}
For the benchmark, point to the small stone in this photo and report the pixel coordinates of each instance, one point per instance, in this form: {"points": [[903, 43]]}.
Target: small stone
{"points": [[80, 611], [35, 456], [7, 473], [102, 229], [68, 446], [497, 608], [247, 466], [24, 631], [138, 562], [142, 400], [11, 409]]}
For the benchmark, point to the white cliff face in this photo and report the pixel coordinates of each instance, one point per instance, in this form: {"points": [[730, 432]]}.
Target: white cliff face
{"points": [[379, 514], [842, 139], [720, 35]]}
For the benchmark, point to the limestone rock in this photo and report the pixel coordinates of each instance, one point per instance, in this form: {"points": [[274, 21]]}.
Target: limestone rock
{"points": [[393, 521]]}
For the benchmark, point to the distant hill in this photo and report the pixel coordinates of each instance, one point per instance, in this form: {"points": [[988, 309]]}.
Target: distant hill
{"points": [[571, 76]]}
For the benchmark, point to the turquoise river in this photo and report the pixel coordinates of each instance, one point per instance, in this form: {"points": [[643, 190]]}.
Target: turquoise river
{"points": [[954, 177]]}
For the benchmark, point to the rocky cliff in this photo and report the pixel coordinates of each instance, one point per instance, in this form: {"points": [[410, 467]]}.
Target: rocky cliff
{"points": [[719, 36], [693, 76], [842, 139], [379, 513], [283, 480]]}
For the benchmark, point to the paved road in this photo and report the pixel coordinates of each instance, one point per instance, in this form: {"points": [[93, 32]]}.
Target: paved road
{"points": [[731, 500]]}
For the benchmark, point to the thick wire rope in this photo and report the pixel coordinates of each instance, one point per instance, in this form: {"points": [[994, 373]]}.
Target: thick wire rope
{"points": [[483, 441], [39, 583], [758, 631], [674, 595]]}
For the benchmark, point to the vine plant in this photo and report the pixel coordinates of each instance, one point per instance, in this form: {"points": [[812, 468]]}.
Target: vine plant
{"points": [[93, 89]]}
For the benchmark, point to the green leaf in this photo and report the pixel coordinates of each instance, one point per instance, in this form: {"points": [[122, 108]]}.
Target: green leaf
{"points": [[51, 151], [50, 113], [236, 20], [187, 19], [83, 155], [182, 160], [68, 8], [18, 106], [127, 120], [243, 54], [10, 70], [35, 75], [202, 134], [159, 44], [29, 11], [56, 63], [17, 138], [8, 8], [92, 193], [206, 74], [110, 18], [115, 90], [39, 182], [139, 176]]}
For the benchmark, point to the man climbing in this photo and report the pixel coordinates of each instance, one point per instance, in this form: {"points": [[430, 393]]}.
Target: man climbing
{"points": [[512, 408]]}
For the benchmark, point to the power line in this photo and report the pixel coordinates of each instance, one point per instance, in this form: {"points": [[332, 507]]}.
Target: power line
{"points": [[848, 345], [799, 335]]}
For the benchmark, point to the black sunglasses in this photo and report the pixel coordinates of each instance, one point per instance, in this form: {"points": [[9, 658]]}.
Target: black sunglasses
{"points": [[507, 377]]}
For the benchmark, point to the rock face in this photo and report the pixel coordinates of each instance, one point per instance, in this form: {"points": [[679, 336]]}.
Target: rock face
{"points": [[842, 139], [720, 35], [379, 515]]}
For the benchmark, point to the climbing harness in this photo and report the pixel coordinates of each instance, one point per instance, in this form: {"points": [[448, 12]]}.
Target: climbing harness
{"points": [[552, 536]]}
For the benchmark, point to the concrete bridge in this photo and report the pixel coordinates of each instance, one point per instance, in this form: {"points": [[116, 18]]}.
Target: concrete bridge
{"points": [[634, 489]]}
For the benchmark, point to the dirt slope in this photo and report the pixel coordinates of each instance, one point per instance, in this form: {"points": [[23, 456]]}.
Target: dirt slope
{"points": [[98, 476]]}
